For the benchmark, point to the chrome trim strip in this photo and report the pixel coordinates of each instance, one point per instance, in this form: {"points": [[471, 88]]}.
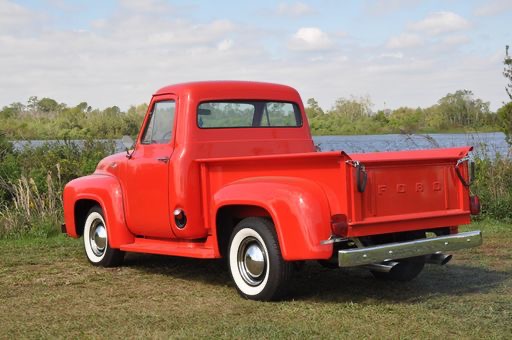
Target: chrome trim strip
{"points": [[394, 251]]}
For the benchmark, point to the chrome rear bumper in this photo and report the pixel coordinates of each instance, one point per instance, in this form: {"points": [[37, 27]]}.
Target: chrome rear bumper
{"points": [[394, 251]]}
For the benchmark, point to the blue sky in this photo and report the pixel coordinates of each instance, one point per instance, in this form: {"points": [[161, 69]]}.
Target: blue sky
{"points": [[396, 52]]}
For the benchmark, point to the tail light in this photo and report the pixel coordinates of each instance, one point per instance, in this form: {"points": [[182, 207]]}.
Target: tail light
{"points": [[339, 225], [474, 205]]}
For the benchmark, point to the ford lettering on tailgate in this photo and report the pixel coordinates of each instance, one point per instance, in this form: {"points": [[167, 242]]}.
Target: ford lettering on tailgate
{"points": [[408, 189]]}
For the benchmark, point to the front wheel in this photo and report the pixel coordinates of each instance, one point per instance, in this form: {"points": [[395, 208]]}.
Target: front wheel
{"points": [[96, 243], [255, 261]]}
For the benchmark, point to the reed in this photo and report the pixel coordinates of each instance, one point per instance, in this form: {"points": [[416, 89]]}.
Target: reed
{"points": [[33, 212], [493, 184]]}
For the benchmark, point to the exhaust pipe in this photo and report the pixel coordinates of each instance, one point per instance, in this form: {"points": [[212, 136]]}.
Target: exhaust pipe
{"points": [[438, 258], [386, 267], [381, 267]]}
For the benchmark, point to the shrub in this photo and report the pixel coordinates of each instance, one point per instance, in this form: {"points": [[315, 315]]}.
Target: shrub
{"points": [[32, 180], [493, 184], [33, 212]]}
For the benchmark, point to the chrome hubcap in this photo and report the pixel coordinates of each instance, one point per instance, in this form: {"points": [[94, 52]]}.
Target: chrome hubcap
{"points": [[98, 237], [252, 261]]}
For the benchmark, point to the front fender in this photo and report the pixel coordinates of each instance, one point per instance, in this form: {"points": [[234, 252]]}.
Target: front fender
{"points": [[107, 192], [299, 209]]}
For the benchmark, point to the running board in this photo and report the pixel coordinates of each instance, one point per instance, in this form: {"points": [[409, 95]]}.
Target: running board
{"points": [[199, 250]]}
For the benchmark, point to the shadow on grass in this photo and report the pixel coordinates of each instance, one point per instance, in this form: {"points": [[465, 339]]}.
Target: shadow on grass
{"points": [[315, 283], [213, 272], [358, 285]]}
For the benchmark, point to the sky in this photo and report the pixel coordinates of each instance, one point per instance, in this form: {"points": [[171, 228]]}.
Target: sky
{"points": [[396, 52]]}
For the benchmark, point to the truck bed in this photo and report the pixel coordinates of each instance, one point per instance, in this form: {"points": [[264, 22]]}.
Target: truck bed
{"points": [[406, 190]]}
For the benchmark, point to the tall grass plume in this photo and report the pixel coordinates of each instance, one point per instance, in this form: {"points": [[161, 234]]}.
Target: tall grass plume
{"points": [[33, 211]]}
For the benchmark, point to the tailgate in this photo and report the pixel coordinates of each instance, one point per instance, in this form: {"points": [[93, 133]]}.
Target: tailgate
{"points": [[407, 190]]}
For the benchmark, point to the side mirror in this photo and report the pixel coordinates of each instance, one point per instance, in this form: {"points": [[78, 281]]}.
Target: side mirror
{"points": [[128, 144]]}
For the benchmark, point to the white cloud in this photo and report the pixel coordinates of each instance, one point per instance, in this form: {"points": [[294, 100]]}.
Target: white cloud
{"points": [[404, 40], [221, 26], [17, 19], [125, 56], [455, 40], [187, 33], [400, 68], [441, 22], [296, 9], [397, 55], [310, 39], [144, 6], [122, 58], [494, 7], [225, 45], [379, 7]]}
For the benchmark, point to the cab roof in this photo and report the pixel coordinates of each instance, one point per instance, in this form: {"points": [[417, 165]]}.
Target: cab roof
{"points": [[232, 89]]}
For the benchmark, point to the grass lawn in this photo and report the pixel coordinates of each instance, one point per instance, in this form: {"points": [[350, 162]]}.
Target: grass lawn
{"points": [[48, 289]]}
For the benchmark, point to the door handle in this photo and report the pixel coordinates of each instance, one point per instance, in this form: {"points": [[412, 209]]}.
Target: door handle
{"points": [[163, 159]]}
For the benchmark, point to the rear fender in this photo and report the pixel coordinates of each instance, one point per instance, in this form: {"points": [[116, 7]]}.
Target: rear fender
{"points": [[299, 209], [106, 192]]}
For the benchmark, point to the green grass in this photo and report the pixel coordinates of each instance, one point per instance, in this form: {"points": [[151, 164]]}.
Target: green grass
{"points": [[48, 289]]}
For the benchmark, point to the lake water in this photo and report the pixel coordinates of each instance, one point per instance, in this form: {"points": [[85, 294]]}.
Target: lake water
{"points": [[485, 144]]}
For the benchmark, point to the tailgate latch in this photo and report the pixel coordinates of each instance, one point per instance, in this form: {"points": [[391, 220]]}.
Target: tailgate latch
{"points": [[471, 171], [361, 174]]}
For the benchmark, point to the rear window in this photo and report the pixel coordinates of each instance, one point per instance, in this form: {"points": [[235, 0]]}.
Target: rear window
{"points": [[245, 114]]}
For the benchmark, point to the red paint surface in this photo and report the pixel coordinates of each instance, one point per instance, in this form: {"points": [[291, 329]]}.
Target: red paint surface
{"points": [[269, 171]]}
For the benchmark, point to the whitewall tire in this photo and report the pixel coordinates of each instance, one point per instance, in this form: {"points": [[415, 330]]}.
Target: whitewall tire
{"points": [[255, 262], [96, 241]]}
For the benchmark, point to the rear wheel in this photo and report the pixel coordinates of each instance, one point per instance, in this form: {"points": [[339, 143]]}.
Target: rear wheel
{"points": [[255, 261], [406, 269], [96, 242]]}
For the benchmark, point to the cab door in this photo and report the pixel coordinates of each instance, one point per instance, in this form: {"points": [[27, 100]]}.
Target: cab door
{"points": [[146, 187]]}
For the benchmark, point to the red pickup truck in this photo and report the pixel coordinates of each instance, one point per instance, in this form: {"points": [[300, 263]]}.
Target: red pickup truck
{"points": [[228, 169]]}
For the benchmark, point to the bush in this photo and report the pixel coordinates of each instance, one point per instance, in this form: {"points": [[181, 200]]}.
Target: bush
{"points": [[32, 180], [505, 119], [493, 184], [33, 212]]}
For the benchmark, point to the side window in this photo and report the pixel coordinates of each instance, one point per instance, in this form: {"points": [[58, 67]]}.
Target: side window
{"points": [[159, 127]]}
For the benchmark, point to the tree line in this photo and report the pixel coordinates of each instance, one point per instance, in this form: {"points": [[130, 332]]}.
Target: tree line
{"points": [[456, 112], [47, 119]]}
